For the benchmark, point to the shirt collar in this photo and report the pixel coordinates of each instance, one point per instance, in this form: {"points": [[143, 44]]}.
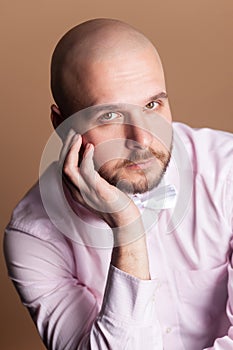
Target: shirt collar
{"points": [[161, 197]]}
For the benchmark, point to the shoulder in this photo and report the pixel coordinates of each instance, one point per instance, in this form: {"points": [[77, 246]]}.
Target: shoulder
{"points": [[188, 132], [210, 150], [29, 216]]}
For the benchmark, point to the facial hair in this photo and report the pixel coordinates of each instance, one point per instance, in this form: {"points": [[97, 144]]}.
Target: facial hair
{"points": [[147, 179]]}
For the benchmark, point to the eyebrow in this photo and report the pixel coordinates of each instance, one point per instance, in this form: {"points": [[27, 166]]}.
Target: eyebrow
{"points": [[115, 106], [103, 107], [162, 94]]}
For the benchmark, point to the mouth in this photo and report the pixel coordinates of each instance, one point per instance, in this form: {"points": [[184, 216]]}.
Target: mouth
{"points": [[142, 164]]}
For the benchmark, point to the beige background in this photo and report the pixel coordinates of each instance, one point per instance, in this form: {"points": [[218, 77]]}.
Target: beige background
{"points": [[194, 39]]}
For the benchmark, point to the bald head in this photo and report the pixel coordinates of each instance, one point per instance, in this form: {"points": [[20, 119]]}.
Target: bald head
{"points": [[84, 46]]}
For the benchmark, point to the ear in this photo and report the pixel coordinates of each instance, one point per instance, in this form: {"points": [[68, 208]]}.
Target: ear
{"points": [[57, 119], [56, 116]]}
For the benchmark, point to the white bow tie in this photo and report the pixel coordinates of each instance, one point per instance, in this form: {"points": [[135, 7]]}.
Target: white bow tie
{"points": [[163, 197]]}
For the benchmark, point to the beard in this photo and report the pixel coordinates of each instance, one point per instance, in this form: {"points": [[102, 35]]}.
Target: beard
{"points": [[140, 180]]}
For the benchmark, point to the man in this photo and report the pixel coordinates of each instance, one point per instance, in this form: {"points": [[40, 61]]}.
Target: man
{"points": [[162, 279]]}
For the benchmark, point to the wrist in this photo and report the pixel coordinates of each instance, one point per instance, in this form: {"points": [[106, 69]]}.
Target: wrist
{"points": [[129, 233], [132, 258]]}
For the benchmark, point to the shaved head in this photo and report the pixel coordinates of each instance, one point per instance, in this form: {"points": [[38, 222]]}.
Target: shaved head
{"points": [[105, 64], [81, 49]]}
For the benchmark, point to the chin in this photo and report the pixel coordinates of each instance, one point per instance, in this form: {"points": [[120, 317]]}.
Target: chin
{"points": [[137, 183], [141, 186]]}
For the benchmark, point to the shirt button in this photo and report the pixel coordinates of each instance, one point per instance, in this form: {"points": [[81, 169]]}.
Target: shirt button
{"points": [[168, 330], [154, 298]]}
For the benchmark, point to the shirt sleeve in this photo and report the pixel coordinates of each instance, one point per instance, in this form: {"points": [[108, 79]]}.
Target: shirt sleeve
{"points": [[226, 342], [66, 312]]}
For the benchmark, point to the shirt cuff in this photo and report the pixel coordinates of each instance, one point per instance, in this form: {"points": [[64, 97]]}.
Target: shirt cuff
{"points": [[129, 299]]}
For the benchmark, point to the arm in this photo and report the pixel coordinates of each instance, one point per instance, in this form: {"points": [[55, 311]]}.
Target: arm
{"points": [[226, 341], [67, 313], [132, 259], [120, 213], [124, 256], [129, 253]]}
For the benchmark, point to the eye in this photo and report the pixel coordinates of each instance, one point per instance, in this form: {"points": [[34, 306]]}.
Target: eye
{"points": [[109, 116], [152, 105]]}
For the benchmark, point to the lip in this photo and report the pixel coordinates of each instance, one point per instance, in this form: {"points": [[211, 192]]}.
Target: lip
{"points": [[142, 164]]}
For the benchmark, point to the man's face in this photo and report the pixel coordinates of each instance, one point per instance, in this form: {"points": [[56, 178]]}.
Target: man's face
{"points": [[131, 128]]}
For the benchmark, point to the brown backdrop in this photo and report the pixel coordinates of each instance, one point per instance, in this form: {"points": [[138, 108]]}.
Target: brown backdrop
{"points": [[194, 39]]}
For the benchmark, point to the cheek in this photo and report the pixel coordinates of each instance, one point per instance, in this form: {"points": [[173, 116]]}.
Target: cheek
{"points": [[109, 152], [109, 149], [104, 143], [168, 114], [103, 135], [85, 140], [92, 137]]}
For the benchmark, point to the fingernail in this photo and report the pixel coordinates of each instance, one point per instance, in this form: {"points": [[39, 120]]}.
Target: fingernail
{"points": [[76, 137], [89, 147], [71, 132]]}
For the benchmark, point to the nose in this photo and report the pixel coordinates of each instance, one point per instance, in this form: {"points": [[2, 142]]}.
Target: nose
{"points": [[138, 137]]}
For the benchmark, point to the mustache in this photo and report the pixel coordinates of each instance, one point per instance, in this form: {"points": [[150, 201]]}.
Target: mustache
{"points": [[137, 156], [114, 175]]}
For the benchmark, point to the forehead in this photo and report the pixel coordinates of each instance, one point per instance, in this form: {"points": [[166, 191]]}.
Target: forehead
{"points": [[125, 78]]}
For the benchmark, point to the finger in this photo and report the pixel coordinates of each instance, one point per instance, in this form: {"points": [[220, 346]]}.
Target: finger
{"points": [[88, 173], [70, 167], [87, 168], [74, 191], [65, 148], [96, 192], [92, 178]]}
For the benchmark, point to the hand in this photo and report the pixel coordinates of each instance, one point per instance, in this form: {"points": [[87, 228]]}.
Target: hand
{"points": [[112, 205], [90, 189]]}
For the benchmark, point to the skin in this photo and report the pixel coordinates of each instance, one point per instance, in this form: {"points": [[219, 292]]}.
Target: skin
{"points": [[108, 62]]}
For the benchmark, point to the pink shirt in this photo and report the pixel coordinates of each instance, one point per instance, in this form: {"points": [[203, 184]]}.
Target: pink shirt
{"points": [[79, 301]]}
